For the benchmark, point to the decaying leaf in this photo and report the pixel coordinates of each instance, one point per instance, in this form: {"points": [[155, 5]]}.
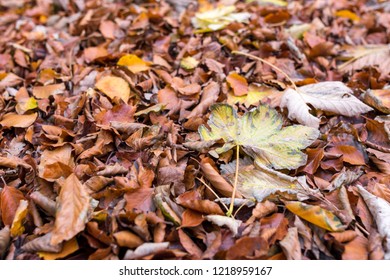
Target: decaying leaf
{"points": [[72, 210], [290, 245], [114, 87], [315, 215], [260, 134], [42, 243], [10, 200], [229, 222], [145, 249], [380, 209], [217, 19], [68, 248], [333, 97]]}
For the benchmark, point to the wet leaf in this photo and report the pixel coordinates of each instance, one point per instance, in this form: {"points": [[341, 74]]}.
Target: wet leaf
{"points": [[315, 215], [114, 87], [72, 210], [134, 63], [260, 134], [332, 97]]}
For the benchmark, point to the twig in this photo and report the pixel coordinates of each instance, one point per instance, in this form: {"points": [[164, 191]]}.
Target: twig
{"points": [[230, 212]]}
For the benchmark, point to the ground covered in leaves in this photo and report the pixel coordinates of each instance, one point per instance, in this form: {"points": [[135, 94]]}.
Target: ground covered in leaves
{"points": [[127, 127]]}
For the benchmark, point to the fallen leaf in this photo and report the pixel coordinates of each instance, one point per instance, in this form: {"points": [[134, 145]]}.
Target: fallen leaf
{"points": [[209, 95], [114, 87], [260, 134], [139, 199], [189, 245], [93, 53], [68, 248], [72, 210], [274, 227], [17, 227], [375, 249], [347, 14], [357, 249], [216, 19], [54, 162], [42, 243], [267, 2], [380, 210], [48, 205], [191, 218], [5, 238], [134, 63], [332, 97], [238, 83], [315, 215], [42, 92], [290, 245], [145, 250], [229, 222], [15, 120], [379, 99], [189, 63], [10, 200], [247, 248], [127, 239]]}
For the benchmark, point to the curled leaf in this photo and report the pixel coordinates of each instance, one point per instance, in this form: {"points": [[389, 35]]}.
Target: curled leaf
{"points": [[68, 248], [229, 222], [17, 227]]}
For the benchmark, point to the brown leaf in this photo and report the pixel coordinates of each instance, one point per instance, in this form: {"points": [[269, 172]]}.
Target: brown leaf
{"points": [[107, 28], [56, 163], [145, 249], [357, 249], [139, 199], [247, 248], [290, 245], [114, 87], [92, 53], [238, 83], [203, 206], [274, 227], [72, 210], [379, 99], [191, 218], [375, 248], [15, 120], [10, 199], [189, 245], [209, 96], [44, 202], [263, 209], [42, 243], [314, 157], [42, 92], [127, 239], [68, 248], [5, 238]]}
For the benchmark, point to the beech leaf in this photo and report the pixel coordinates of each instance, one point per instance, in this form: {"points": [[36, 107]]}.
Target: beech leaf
{"points": [[68, 248], [15, 120], [134, 63], [334, 97], [72, 210], [17, 227], [260, 134], [114, 87]]}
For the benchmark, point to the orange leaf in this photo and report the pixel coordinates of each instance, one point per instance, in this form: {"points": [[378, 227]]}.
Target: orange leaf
{"points": [[92, 53], [17, 227], [127, 239], [47, 91], [10, 198], [72, 210], [15, 120], [134, 63], [347, 14], [114, 87], [238, 83], [70, 247], [191, 218], [315, 215]]}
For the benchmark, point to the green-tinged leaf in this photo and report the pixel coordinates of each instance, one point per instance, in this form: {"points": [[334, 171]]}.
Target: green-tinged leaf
{"points": [[169, 209], [217, 19], [296, 31], [260, 182], [260, 134], [230, 223], [315, 215]]}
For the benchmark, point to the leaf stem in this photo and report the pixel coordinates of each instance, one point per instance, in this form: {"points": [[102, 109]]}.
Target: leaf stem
{"points": [[230, 212], [269, 64], [213, 192]]}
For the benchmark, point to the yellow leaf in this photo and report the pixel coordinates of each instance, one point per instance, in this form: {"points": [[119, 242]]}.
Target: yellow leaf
{"points": [[134, 63], [15, 120], [189, 63], [114, 87], [347, 14], [25, 105], [69, 247], [315, 215], [260, 134], [252, 98], [17, 227], [72, 210]]}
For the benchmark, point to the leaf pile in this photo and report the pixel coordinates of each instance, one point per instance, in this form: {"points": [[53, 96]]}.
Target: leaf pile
{"points": [[127, 126]]}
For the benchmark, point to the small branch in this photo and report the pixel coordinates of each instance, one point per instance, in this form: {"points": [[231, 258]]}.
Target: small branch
{"points": [[269, 64]]}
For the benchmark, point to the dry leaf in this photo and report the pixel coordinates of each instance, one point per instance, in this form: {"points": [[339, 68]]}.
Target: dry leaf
{"points": [[229, 222], [10, 200], [5, 238], [114, 87], [41, 92], [189, 63], [42, 243], [68, 248], [127, 239], [379, 99], [17, 227], [134, 63], [238, 83], [189, 245], [15, 120], [145, 249], [332, 97], [72, 210], [290, 245]]}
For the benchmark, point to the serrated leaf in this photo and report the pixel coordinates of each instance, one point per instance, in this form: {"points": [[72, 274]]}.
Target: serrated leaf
{"points": [[217, 19], [230, 223], [72, 210], [260, 182], [315, 215], [334, 97], [134, 63], [17, 227], [114, 87], [260, 134]]}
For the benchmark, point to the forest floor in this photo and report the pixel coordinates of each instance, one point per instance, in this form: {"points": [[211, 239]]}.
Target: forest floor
{"points": [[194, 129]]}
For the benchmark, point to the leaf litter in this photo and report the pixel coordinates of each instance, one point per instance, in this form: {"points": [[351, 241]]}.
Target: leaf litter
{"points": [[202, 130]]}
